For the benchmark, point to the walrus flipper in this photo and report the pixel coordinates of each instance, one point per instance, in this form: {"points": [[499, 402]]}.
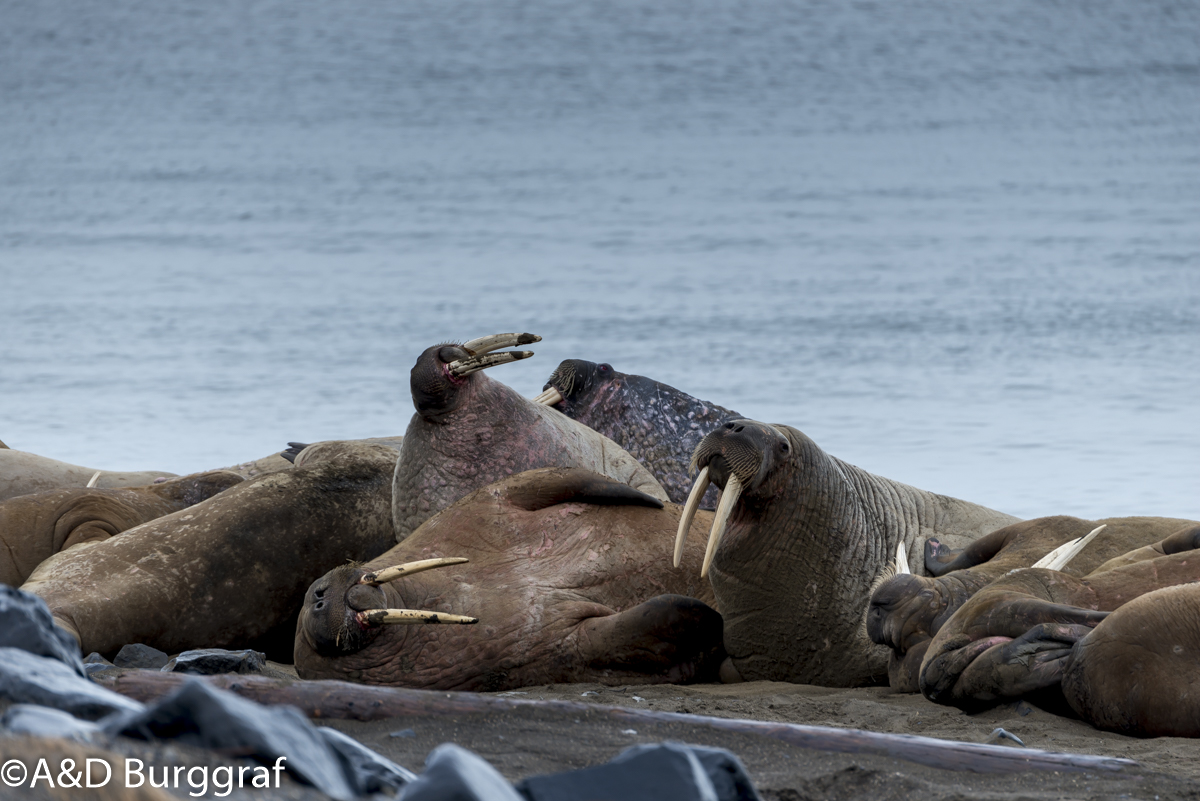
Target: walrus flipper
{"points": [[293, 450], [555, 485], [940, 559], [672, 637]]}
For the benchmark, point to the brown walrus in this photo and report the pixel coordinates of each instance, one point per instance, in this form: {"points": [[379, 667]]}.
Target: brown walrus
{"points": [[1015, 635], [798, 539], [1138, 671], [906, 610], [469, 431], [35, 527], [223, 573], [565, 576], [22, 473]]}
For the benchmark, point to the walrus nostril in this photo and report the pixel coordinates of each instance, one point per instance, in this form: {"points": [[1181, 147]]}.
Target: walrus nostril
{"points": [[319, 605], [729, 426], [320, 593]]}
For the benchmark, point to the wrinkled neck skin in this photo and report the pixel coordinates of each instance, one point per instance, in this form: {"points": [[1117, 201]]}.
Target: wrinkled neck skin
{"points": [[494, 433], [794, 571], [659, 425]]}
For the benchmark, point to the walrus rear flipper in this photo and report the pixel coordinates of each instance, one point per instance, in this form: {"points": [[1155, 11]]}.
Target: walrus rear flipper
{"points": [[940, 559], [669, 638], [554, 485], [293, 450]]}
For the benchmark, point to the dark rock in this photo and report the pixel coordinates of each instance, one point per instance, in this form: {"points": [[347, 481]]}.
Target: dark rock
{"points": [[453, 773], [137, 655], [29, 679], [26, 623], [212, 661], [205, 717], [368, 771]]}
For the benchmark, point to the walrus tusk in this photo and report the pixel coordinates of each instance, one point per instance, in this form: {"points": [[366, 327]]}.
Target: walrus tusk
{"points": [[464, 367], [1060, 556], [478, 347], [901, 559], [408, 569], [689, 511], [92, 481], [549, 397], [733, 489], [392, 617]]}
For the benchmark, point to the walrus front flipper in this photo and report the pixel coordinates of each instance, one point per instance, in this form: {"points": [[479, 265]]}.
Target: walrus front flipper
{"points": [[550, 486], [940, 559], [670, 638]]}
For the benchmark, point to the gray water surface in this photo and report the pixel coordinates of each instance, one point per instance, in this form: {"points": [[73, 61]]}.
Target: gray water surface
{"points": [[957, 244]]}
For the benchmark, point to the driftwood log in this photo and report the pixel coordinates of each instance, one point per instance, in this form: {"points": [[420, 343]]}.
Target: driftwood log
{"points": [[343, 700]]}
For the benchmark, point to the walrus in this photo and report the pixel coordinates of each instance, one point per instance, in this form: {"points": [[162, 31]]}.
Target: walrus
{"points": [[223, 573], [34, 527], [798, 539], [906, 610], [469, 431], [1013, 637], [1137, 671], [22, 473], [562, 569], [657, 424]]}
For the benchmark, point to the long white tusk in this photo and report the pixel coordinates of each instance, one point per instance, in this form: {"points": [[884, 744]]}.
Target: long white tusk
{"points": [[408, 569], [549, 397], [902, 559], [733, 489], [383, 617], [464, 367], [689, 511], [92, 481], [478, 347], [1060, 556]]}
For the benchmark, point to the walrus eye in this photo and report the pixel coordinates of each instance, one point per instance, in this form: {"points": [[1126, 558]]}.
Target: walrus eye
{"points": [[783, 446], [604, 368]]}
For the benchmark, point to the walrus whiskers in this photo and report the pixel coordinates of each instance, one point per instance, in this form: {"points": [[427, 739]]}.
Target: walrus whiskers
{"points": [[689, 512], [393, 617], [482, 345], [733, 490], [95, 477], [549, 398], [408, 569], [1060, 556], [460, 368]]}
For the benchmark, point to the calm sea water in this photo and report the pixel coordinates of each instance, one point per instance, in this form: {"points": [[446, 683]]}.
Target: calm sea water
{"points": [[958, 244]]}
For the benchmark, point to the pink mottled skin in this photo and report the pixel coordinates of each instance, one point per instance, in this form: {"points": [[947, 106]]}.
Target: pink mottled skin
{"points": [[548, 585], [469, 432]]}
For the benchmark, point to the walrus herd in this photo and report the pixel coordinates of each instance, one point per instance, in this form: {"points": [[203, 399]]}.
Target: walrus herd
{"points": [[504, 541]]}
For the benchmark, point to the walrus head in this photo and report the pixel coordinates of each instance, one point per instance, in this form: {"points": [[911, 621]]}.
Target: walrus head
{"points": [[740, 457], [575, 379], [442, 372], [346, 609]]}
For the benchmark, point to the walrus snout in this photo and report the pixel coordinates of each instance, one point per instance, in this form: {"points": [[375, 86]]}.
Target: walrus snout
{"points": [[573, 377], [329, 617], [746, 449], [898, 610], [442, 370]]}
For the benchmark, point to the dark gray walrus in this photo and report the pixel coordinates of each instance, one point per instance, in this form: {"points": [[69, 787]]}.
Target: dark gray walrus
{"points": [[35, 527], [470, 431], [562, 568], [224, 573], [1016, 636], [798, 540], [907, 610], [659, 425]]}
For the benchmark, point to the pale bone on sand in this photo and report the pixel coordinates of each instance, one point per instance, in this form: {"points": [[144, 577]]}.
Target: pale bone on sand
{"points": [[391, 617], [729, 497]]}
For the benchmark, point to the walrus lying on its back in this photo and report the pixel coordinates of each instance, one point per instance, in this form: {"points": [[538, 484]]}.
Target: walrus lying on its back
{"points": [[223, 573], [35, 527], [564, 571]]}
